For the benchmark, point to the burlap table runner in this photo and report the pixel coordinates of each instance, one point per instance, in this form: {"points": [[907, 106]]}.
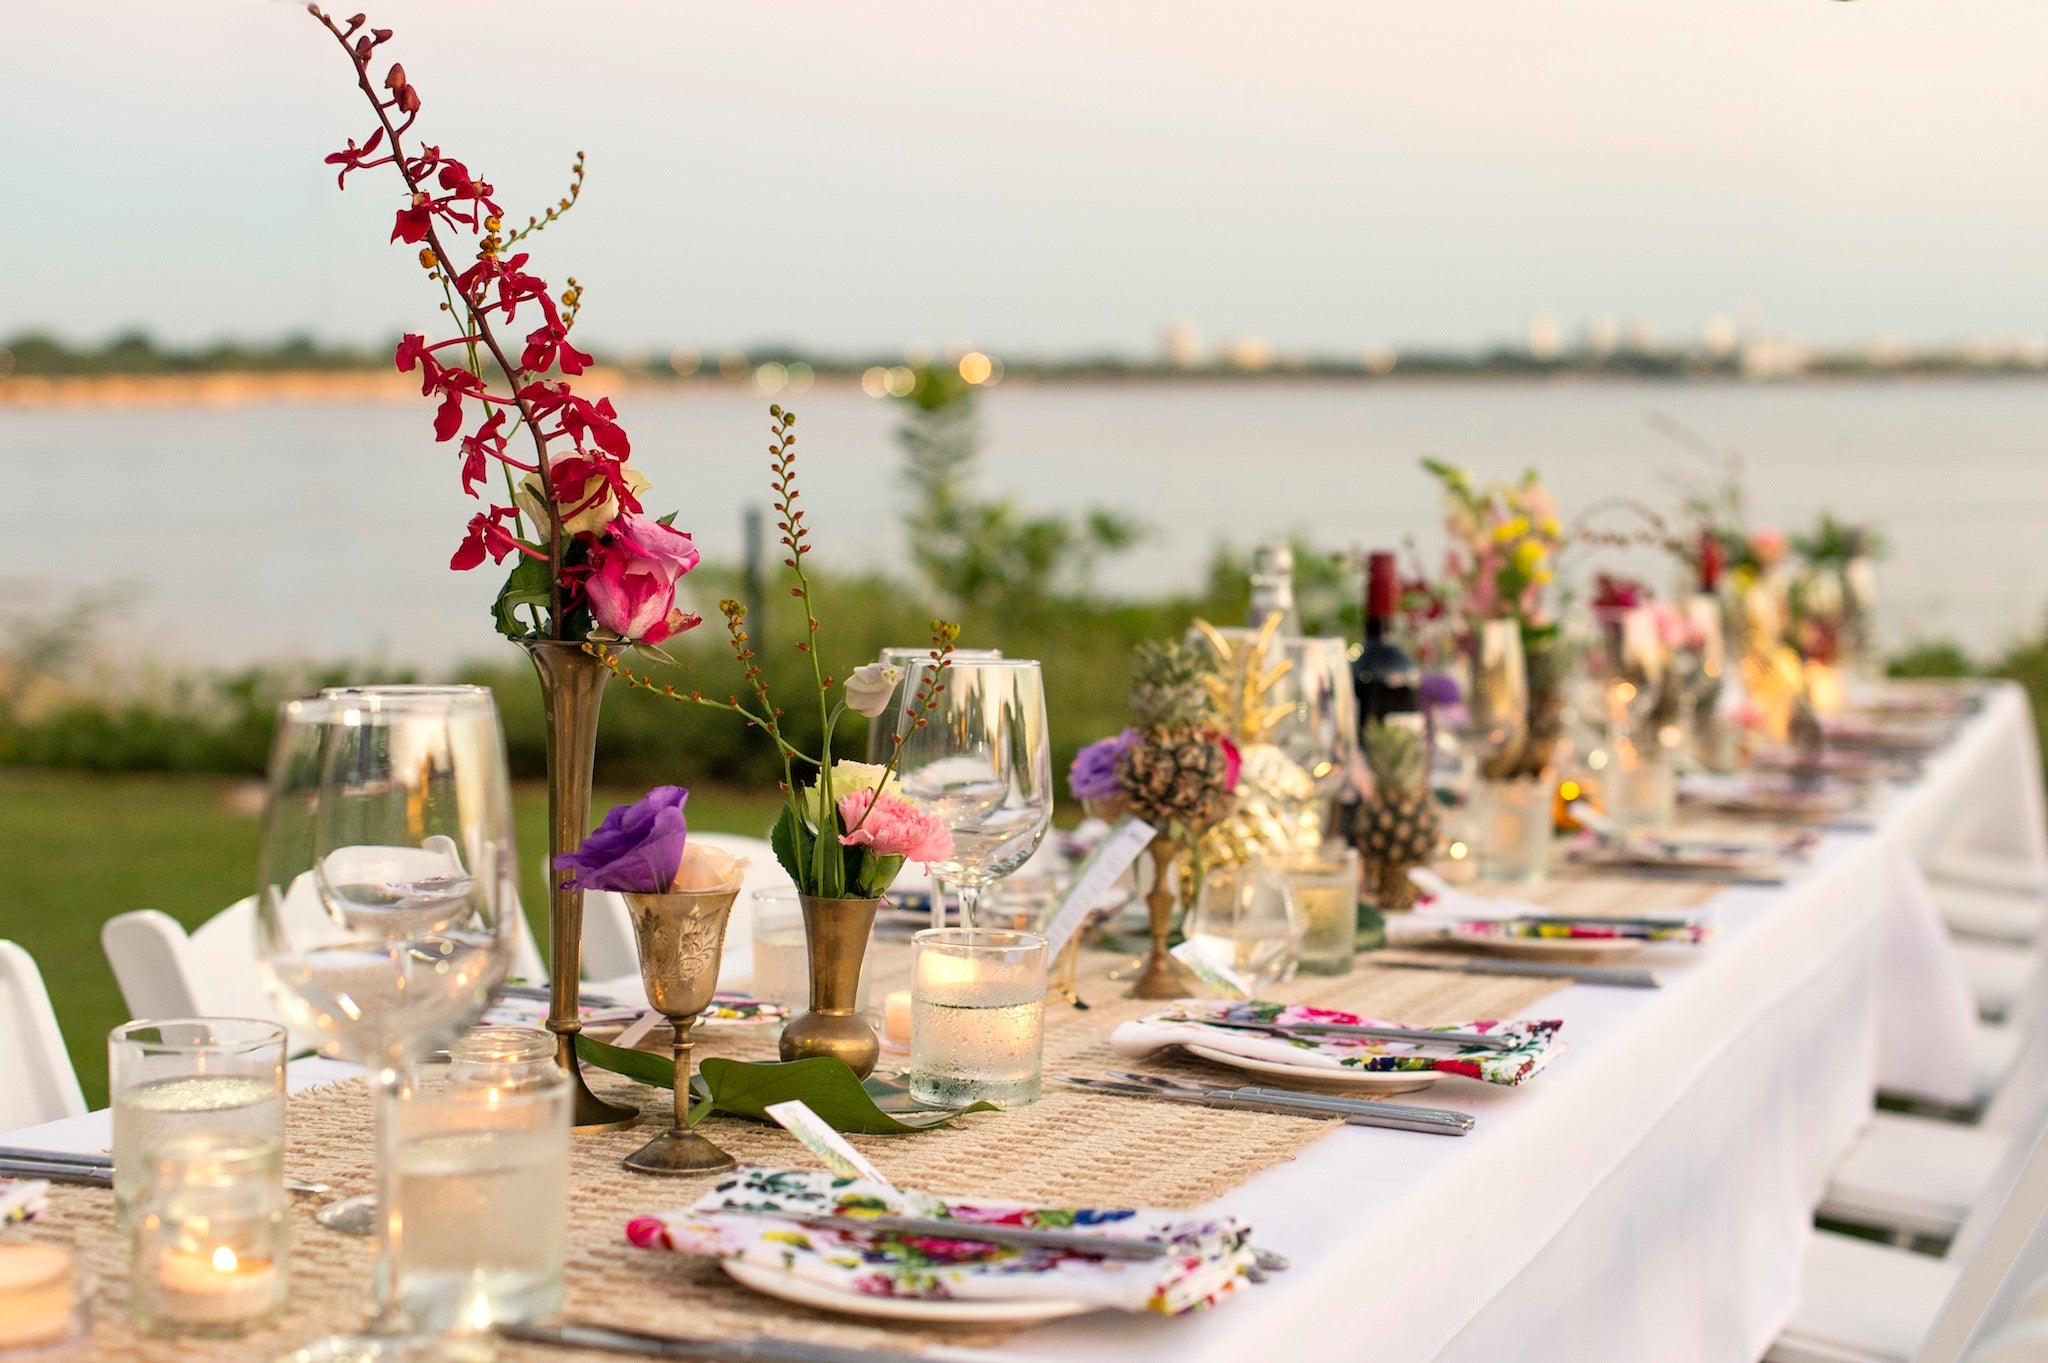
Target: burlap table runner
{"points": [[1069, 1148]]}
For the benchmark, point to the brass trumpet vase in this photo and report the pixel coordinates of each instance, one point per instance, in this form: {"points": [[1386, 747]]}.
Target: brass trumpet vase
{"points": [[571, 689], [1162, 977], [681, 939], [836, 934]]}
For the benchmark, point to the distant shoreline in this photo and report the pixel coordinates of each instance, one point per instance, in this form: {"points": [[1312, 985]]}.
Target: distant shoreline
{"points": [[231, 388]]}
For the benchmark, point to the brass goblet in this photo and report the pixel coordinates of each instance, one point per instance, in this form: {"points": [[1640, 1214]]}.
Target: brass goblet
{"points": [[681, 938]]}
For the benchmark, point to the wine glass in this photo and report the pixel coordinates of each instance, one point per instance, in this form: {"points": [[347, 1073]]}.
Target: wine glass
{"points": [[882, 729], [385, 911], [1493, 683], [980, 761]]}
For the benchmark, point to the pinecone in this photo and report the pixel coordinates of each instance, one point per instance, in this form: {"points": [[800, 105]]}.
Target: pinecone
{"points": [[1176, 776], [1397, 828]]}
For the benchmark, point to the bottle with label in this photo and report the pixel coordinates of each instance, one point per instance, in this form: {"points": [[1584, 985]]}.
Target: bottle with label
{"points": [[1273, 589], [1384, 679]]}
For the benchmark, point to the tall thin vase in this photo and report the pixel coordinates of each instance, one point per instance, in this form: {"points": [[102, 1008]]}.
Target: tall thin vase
{"points": [[836, 933], [571, 689]]}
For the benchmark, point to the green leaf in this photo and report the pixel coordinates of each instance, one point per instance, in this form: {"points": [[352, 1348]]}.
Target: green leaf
{"points": [[526, 585], [644, 1066], [826, 1086], [668, 520], [791, 841]]}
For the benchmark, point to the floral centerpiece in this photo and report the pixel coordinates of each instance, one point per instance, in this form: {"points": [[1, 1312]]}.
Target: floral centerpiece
{"points": [[845, 829], [550, 465]]}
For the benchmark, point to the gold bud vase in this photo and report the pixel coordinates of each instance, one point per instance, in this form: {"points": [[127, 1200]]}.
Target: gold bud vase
{"points": [[1162, 977], [836, 934]]}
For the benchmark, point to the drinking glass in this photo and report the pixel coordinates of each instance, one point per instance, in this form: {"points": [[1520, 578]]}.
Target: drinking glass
{"points": [[882, 730], [190, 1076], [980, 761], [483, 1182], [1326, 891], [1247, 922], [385, 914], [977, 1016], [1492, 721]]}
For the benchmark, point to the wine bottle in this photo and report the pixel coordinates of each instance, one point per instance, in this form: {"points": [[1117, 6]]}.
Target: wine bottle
{"points": [[1273, 589], [1384, 679], [1711, 559]]}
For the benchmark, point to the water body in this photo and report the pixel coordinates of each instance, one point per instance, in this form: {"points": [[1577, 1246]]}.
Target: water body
{"points": [[323, 530]]}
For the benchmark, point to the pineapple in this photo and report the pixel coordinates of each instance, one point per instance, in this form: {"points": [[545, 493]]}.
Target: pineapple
{"points": [[1177, 772], [1397, 828]]}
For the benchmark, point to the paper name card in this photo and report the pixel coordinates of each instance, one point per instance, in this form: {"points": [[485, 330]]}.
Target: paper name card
{"points": [[817, 1136], [1112, 856]]}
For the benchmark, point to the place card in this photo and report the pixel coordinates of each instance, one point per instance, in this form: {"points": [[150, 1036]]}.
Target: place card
{"points": [[1112, 856], [818, 1137]]}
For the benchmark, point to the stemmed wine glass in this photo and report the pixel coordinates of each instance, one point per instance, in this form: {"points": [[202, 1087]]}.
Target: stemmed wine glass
{"points": [[882, 729], [981, 762], [385, 911]]}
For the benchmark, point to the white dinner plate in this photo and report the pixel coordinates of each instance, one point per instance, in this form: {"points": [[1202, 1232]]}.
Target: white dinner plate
{"points": [[1378, 1081], [957, 1311], [1585, 950]]}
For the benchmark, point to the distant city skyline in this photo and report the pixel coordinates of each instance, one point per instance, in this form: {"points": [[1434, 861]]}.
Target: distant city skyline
{"points": [[1323, 177]]}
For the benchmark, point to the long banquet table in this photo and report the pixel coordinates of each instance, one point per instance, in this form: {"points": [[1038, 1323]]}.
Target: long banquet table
{"points": [[1651, 1194]]}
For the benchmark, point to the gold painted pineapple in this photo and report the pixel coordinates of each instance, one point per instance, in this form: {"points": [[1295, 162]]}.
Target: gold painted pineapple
{"points": [[1178, 771], [1397, 828]]}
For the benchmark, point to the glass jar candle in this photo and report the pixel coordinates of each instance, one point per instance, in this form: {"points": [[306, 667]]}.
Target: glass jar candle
{"points": [[209, 1244], [483, 1183], [41, 1305], [1326, 891], [977, 1016]]}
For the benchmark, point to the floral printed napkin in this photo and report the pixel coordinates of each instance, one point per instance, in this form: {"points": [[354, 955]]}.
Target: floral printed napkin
{"points": [[1210, 1260], [1445, 910], [1195, 1022], [22, 1200]]}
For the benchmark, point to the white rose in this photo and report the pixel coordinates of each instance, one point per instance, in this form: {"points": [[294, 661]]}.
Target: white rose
{"points": [[869, 688]]}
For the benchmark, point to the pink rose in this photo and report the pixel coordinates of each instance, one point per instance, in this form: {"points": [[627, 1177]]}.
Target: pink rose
{"points": [[633, 587], [894, 828], [1767, 545]]}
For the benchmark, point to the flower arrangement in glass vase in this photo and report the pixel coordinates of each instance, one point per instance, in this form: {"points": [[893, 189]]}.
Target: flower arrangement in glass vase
{"points": [[1510, 667], [845, 829], [591, 570]]}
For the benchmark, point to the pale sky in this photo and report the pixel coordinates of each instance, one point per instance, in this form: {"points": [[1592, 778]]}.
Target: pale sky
{"points": [[1055, 176]]}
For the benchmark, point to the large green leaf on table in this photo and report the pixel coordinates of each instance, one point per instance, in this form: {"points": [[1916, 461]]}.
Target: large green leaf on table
{"points": [[824, 1085], [742, 1089]]}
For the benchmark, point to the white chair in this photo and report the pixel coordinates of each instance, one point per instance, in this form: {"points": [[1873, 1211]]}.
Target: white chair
{"points": [[37, 1083], [1862, 1302]]}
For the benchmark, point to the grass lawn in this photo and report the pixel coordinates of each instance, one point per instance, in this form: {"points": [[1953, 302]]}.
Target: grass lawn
{"points": [[76, 849]]}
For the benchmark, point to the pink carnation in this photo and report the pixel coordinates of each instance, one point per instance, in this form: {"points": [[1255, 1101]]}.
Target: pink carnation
{"points": [[895, 828]]}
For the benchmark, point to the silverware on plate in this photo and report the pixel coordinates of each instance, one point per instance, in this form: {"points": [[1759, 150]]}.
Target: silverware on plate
{"points": [[1284, 1102], [938, 1228], [612, 1339], [1417, 1035], [1623, 977]]}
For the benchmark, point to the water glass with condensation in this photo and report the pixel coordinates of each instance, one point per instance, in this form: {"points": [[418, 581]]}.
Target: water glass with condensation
{"points": [[170, 1077], [977, 1016]]}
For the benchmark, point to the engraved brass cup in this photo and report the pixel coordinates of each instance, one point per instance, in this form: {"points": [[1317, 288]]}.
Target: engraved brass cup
{"points": [[681, 937], [836, 933], [571, 690], [1162, 977]]}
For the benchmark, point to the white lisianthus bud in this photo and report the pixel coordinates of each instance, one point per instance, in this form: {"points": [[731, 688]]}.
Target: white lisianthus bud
{"points": [[869, 688]]}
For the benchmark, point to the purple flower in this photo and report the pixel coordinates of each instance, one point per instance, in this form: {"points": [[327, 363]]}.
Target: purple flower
{"points": [[1093, 775], [637, 848], [1439, 690]]}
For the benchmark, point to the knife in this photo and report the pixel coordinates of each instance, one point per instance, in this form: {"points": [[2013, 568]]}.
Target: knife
{"points": [[83, 1174], [611, 1339], [1620, 976], [1281, 1102], [937, 1228], [19, 1154], [1463, 1040], [1334, 1104]]}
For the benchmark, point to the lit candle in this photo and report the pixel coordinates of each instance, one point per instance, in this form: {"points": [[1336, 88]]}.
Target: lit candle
{"points": [[896, 1017], [215, 1287], [35, 1296]]}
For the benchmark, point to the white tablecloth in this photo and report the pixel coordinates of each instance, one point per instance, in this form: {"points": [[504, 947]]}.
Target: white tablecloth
{"points": [[1650, 1196]]}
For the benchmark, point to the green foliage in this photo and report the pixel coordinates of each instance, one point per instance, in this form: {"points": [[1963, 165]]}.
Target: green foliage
{"points": [[825, 1085], [1931, 660], [986, 554]]}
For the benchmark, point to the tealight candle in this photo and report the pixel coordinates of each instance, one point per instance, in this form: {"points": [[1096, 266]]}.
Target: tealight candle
{"points": [[209, 1245], [896, 1017], [36, 1301]]}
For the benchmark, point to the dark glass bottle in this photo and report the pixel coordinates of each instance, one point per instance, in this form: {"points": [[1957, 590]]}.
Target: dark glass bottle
{"points": [[1384, 679]]}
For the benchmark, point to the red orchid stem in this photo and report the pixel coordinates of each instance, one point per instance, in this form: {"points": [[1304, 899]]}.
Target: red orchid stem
{"points": [[481, 323]]}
